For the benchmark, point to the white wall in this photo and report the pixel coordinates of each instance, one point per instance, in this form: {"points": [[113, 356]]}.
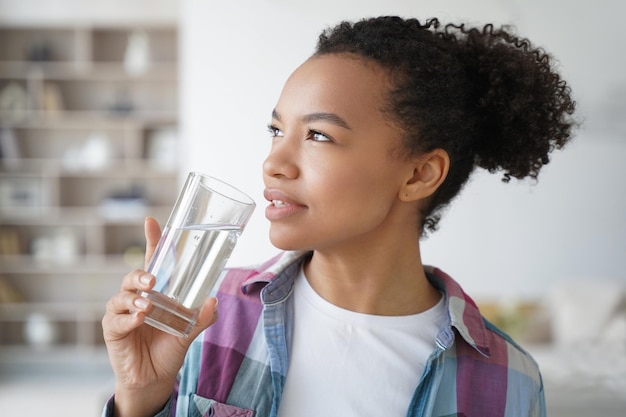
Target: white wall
{"points": [[496, 239]]}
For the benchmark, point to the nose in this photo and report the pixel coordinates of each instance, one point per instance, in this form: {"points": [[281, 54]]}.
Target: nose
{"points": [[281, 160]]}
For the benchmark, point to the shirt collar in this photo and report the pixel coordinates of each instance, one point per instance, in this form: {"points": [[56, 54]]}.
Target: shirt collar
{"points": [[266, 273], [463, 312]]}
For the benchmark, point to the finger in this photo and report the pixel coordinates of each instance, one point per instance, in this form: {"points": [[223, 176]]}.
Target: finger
{"points": [[152, 231], [117, 326], [137, 280], [127, 301], [125, 311]]}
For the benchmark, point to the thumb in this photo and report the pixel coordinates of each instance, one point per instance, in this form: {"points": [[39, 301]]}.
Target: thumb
{"points": [[208, 316], [152, 231]]}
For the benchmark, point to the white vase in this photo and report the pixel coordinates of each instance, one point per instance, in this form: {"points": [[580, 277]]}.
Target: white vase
{"points": [[137, 54], [40, 331]]}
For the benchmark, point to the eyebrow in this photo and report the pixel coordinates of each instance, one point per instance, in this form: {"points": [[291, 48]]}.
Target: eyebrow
{"points": [[319, 116]]}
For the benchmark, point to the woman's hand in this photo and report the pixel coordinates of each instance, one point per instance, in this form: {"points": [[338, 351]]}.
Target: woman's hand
{"points": [[145, 360]]}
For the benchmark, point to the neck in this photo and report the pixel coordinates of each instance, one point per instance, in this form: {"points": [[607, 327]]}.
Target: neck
{"points": [[388, 281]]}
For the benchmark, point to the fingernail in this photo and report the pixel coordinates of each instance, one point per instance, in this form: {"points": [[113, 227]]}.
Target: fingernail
{"points": [[216, 303], [140, 303], [145, 279]]}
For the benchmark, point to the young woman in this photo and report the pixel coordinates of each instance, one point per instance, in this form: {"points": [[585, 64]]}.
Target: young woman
{"points": [[371, 137]]}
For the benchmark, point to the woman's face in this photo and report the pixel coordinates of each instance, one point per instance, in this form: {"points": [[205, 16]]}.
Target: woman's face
{"points": [[332, 176]]}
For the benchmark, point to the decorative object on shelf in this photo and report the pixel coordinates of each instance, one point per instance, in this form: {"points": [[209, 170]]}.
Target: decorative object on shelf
{"points": [[39, 51], [13, 103], [65, 246], [95, 154], [134, 256], [72, 160], [137, 55], [162, 150], [42, 249], [125, 205], [10, 242], [40, 331], [62, 247], [19, 193], [9, 149], [8, 293], [123, 105], [52, 100], [516, 316]]}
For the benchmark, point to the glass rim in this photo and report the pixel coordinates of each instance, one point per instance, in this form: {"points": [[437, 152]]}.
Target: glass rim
{"points": [[224, 189]]}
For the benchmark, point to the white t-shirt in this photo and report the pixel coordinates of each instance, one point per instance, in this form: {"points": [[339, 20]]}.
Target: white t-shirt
{"points": [[345, 364]]}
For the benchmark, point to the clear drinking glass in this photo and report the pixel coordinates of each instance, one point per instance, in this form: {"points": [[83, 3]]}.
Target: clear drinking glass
{"points": [[199, 237]]}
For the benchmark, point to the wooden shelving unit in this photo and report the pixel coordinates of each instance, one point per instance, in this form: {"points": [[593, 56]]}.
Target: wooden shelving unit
{"points": [[88, 121]]}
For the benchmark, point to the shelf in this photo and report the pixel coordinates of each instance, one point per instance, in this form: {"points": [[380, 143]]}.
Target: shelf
{"points": [[28, 265], [73, 216], [33, 167], [88, 149], [79, 312], [86, 71], [90, 120]]}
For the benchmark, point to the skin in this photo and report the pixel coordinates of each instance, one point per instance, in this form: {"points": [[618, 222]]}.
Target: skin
{"points": [[145, 360], [349, 194], [338, 185]]}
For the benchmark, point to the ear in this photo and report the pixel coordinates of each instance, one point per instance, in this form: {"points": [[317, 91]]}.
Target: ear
{"points": [[429, 171]]}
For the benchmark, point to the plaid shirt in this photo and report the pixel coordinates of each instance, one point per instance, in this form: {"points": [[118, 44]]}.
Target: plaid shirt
{"points": [[238, 366]]}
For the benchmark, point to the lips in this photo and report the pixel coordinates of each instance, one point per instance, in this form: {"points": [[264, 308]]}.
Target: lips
{"points": [[279, 198], [281, 205]]}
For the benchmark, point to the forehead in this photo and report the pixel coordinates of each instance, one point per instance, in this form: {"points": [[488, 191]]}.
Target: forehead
{"points": [[339, 83]]}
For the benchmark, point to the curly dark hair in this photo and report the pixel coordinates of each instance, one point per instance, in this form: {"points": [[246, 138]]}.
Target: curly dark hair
{"points": [[485, 96]]}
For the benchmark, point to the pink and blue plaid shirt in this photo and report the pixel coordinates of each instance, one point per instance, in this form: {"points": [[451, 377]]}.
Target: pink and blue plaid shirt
{"points": [[237, 367]]}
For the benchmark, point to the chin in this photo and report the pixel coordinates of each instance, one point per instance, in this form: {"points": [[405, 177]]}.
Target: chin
{"points": [[285, 246], [286, 242]]}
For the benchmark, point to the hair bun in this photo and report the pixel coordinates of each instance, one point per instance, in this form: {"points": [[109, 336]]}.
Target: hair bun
{"points": [[521, 104]]}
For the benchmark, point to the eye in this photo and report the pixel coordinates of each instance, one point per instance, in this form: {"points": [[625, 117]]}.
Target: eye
{"points": [[318, 136], [274, 131]]}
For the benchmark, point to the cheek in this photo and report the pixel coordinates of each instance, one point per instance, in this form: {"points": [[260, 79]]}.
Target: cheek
{"points": [[351, 192], [335, 180]]}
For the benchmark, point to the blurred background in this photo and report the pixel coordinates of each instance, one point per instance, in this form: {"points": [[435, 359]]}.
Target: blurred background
{"points": [[105, 107]]}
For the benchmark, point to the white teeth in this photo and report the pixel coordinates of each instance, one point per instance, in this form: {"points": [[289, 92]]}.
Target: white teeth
{"points": [[279, 203]]}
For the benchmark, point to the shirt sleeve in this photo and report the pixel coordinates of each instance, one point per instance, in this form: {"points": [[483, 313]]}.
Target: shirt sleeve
{"points": [[540, 406], [108, 408], [187, 382]]}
